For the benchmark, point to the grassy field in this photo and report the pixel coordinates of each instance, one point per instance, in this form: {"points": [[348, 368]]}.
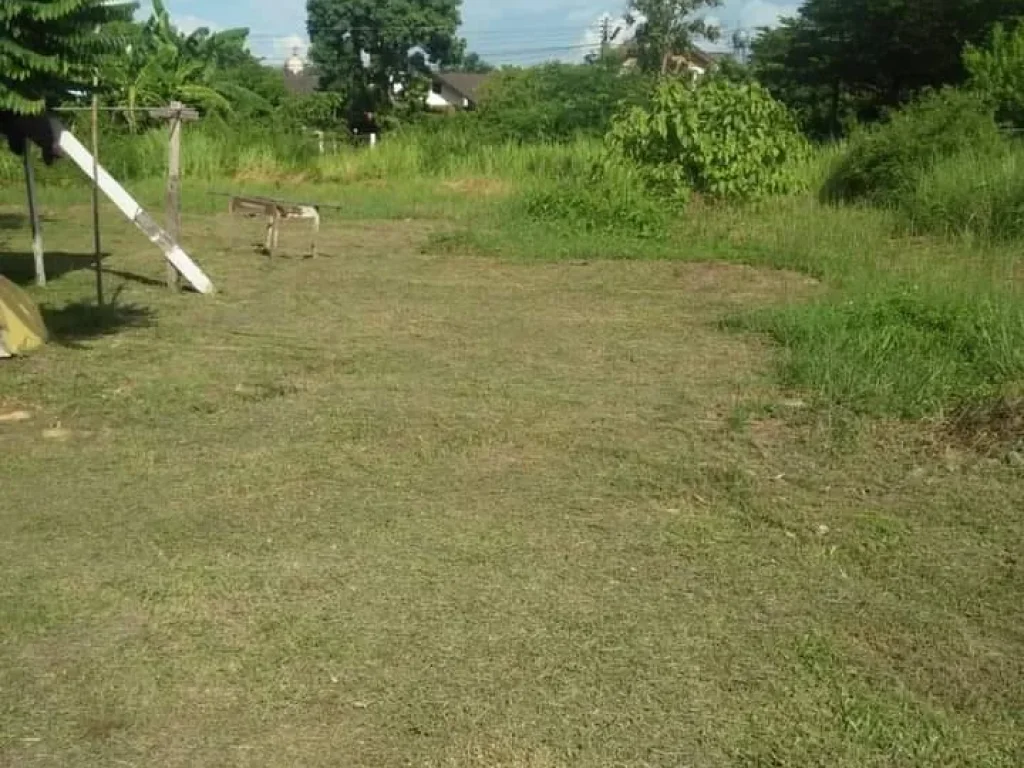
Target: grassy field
{"points": [[476, 490]]}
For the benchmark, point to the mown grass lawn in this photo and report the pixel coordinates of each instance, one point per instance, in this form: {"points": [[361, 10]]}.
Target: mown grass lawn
{"points": [[401, 507]]}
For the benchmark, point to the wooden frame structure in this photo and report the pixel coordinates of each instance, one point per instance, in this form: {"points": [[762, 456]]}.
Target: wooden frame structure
{"points": [[66, 145], [275, 212]]}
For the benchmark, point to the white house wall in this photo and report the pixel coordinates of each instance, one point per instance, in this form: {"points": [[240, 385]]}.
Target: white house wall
{"points": [[448, 98]]}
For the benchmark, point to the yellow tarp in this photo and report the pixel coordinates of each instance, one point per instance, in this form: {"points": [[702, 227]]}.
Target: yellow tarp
{"points": [[21, 326]]}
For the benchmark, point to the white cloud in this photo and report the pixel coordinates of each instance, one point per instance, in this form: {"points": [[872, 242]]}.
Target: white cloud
{"points": [[761, 13], [188, 24], [286, 46]]}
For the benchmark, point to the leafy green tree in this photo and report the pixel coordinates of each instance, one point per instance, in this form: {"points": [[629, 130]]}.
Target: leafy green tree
{"points": [[554, 102], [374, 49], [862, 57], [50, 46], [666, 28], [472, 62], [997, 72]]}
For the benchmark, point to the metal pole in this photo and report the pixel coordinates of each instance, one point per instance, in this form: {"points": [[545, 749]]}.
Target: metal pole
{"points": [[33, 214], [96, 240]]}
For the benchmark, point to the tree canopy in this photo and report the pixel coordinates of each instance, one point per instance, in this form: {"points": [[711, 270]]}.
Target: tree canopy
{"points": [[365, 48], [668, 27], [997, 72], [853, 59], [48, 47]]}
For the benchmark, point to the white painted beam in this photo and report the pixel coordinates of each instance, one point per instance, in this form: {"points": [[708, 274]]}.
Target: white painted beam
{"points": [[127, 204]]}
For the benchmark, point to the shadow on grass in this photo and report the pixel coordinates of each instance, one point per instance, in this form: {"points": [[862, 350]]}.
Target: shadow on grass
{"points": [[81, 321], [13, 220], [19, 267]]}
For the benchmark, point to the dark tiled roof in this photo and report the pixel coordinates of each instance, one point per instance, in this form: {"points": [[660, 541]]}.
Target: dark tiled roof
{"points": [[467, 84]]}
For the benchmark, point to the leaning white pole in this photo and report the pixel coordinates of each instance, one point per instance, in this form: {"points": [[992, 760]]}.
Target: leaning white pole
{"points": [[136, 214]]}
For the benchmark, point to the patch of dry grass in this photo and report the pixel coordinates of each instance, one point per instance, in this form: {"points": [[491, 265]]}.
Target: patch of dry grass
{"points": [[392, 508]]}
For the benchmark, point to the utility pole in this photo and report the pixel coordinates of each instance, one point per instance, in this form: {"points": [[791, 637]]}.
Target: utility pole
{"points": [[608, 35]]}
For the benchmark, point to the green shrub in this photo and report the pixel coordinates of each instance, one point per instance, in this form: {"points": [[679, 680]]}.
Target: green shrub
{"points": [[997, 72], [980, 196], [715, 137], [885, 163]]}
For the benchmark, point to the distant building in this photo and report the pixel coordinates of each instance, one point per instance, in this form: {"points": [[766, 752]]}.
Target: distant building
{"points": [[455, 90], [448, 90], [697, 62], [300, 79]]}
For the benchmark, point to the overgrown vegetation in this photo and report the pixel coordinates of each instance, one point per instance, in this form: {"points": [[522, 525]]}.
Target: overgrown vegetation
{"points": [[884, 163], [555, 102], [717, 138]]}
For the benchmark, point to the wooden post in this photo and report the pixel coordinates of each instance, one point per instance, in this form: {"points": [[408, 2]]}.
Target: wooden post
{"points": [[96, 239], [33, 214], [177, 113], [174, 189]]}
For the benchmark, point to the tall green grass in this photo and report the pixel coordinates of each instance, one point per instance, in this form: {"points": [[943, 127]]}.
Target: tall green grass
{"points": [[977, 195], [910, 351]]}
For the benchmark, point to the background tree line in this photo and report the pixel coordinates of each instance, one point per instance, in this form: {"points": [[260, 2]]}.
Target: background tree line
{"points": [[836, 64]]}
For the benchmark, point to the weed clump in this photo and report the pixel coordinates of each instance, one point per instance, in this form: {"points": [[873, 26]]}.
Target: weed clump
{"points": [[609, 198], [884, 164]]}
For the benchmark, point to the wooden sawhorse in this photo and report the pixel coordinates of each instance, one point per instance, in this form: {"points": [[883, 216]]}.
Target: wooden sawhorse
{"points": [[276, 211]]}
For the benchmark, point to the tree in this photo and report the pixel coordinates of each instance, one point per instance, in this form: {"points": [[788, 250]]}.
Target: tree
{"points": [[48, 47], [557, 102], [997, 72], [372, 49], [867, 56], [472, 62], [665, 28]]}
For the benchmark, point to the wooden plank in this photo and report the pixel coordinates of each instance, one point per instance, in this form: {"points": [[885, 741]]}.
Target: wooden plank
{"points": [[174, 194], [183, 113]]}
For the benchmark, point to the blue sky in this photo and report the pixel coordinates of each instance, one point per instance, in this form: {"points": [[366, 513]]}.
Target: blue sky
{"points": [[504, 31]]}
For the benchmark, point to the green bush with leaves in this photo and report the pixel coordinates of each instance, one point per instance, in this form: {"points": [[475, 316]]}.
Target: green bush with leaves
{"points": [[997, 72], [716, 137], [555, 102], [885, 163]]}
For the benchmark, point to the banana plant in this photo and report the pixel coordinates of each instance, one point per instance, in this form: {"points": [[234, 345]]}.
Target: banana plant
{"points": [[160, 64]]}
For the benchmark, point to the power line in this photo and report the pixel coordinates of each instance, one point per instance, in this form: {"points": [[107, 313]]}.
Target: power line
{"points": [[486, 33], [531, 32], [508, 53]]}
